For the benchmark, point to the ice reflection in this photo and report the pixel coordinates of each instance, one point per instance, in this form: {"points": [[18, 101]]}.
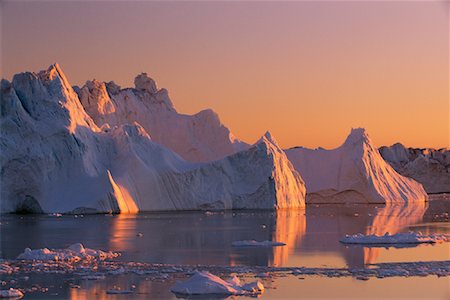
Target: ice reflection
{"points": [[206, 238], [290, 227], [392, 219], [312, 235], [326, 224]]}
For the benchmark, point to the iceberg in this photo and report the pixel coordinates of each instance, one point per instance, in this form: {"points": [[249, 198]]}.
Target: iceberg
{"points": [[430, 167], [55, 159], [197, 138], [205, 283], [354, 172]]}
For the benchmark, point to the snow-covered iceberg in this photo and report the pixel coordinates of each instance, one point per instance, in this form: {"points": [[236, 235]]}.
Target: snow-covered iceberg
{"points": [[354, 172], [205, 283], [430, 167], [196, 138], [55, 159]]}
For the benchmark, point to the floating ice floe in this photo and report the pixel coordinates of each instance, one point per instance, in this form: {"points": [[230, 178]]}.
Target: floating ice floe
{"points": [[73, 253], [205, 283], [11, 293], [253, 243], [399, 238]]}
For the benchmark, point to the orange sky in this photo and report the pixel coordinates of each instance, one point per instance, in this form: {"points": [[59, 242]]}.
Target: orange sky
{"points": [[307, 71]]}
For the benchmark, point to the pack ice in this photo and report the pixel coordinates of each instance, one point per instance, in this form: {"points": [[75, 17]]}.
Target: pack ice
{"points": [[354, 172], [56, 159]]}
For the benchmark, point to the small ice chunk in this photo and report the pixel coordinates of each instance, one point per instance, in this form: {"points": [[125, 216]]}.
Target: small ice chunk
{"points": [[205, 283], [253, 243], [11, 293], [399, 238], [77, 248]]}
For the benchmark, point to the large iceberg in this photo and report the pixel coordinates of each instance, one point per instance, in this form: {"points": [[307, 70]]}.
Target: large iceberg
{"points": [[197, 138], [430, 167], [354, 172], [54, 158]]}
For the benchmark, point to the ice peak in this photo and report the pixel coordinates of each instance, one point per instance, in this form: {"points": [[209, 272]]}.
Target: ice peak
{"points": [[55, 77], [144, 83], [52, 72], [357, 135], [267, 138]]}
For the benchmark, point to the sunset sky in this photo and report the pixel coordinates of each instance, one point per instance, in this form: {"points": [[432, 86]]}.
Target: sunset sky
{"points": [[306, 71]]}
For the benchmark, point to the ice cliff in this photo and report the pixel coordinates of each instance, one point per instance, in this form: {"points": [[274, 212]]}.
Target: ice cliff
{"points": [[430, 167], [60, 154], [197, 138], [354, 172]]}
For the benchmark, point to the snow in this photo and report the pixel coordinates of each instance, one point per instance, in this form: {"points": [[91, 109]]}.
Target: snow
{"points": [[205, 283], [73, 253], [253, 243], [55, 159], [430, 167], [354, 172], [399, 238], [11, 293]]}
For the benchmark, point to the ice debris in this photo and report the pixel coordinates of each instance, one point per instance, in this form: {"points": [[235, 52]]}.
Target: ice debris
{"points": [[73, 253], [11, 293]]}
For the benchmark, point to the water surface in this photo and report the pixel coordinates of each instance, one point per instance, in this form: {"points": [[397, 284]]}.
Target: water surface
{"points": [[312, 237]]}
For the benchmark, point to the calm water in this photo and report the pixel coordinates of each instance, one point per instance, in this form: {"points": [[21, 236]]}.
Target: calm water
{"points": [[312, 238]]}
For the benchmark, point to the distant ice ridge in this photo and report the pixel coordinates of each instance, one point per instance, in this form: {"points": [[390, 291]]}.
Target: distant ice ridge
{"points": [[197, 138], [399, 238], [55, 159], [354, 172], [73, 253], [205, 283], [430, 167]]}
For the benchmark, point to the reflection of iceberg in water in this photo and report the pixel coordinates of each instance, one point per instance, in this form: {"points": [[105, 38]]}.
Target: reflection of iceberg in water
{"points": [[326, 224], [290, 227], [199, 238], [392, 219]]}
